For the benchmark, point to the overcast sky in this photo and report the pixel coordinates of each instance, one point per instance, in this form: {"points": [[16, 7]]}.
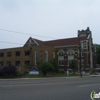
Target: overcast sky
{"points": [[49, 18]]}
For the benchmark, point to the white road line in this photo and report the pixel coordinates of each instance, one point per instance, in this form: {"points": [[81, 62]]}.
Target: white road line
{"points": [[89, 85]]}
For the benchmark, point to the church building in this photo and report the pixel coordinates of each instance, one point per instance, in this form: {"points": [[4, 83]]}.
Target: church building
{"points": [[79, 48]]}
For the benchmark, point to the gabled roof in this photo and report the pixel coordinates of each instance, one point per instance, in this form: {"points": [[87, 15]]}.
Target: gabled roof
{"points": [[30, 42], [61, 42]]}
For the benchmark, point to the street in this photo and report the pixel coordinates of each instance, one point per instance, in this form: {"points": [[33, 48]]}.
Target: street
{"points": [[62, 88]]}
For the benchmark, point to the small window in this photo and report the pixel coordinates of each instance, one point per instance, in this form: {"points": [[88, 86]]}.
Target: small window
{"points": [[27, 53], [17, 53], [1, 54], [27, 62], [1, 63], [8, 63], [17, 63], [8, 54]]}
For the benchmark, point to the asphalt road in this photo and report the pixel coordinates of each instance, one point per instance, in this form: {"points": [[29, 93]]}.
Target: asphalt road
{"points": [[49, 88]]}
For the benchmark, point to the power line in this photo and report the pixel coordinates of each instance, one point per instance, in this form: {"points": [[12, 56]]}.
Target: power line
{"points": [[10, 42], [25, 33]]}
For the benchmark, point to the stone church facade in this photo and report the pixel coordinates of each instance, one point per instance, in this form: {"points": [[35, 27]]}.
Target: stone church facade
{"points": [[79, 48]]}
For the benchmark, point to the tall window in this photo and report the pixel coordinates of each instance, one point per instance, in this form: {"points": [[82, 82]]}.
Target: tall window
{"points": [[84, 44], [53, 55], [36, 57], [46, 56], [61, 58]]}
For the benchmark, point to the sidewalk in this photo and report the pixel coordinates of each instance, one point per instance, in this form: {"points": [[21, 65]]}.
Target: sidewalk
{"points": [[95, 75], [87, 75]]}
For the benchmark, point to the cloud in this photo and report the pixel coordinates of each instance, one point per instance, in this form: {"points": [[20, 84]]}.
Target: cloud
{"points": [[52, 18]]}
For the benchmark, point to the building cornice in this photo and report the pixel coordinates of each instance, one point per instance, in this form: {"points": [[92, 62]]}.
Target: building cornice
{"points": [[67, 46]]}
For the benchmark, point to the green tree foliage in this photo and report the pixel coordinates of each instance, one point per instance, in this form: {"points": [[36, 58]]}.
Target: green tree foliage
{"points": [[45, 67], [98, 55], [73, 65], [55, 65]]}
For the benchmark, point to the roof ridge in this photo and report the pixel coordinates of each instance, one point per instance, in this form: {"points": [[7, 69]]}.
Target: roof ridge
{"points": [[63, 39]]}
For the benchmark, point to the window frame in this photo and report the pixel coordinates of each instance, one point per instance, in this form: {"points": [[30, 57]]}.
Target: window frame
{"points": [[61, 62], [9, 54], [26, 62], [61, 54], [70, 53], [27, 53], [17, 53]]}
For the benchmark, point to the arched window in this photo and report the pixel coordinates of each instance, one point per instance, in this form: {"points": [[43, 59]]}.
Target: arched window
{"points": [[36, 57], [71, 53], [61, 58], [46, 56], [61, 53]]}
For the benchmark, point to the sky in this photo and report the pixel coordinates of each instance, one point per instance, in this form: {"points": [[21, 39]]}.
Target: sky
{"points": [[47, 20]]}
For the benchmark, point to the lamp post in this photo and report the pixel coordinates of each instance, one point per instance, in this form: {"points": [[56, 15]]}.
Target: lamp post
{"points": [[80, 57]]}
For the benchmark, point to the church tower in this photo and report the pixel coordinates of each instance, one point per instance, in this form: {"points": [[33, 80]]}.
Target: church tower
{"points": [[85, 33]]}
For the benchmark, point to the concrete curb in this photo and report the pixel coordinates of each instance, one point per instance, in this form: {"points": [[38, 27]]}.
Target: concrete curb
{"points": [[54, 77]]}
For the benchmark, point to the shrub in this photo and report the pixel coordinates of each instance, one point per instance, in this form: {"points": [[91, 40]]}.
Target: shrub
{"points": [[55, 65], [46, 67], [73, 66], [8, 71]]}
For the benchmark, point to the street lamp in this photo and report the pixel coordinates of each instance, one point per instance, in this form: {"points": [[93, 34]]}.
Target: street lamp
{"points": [[80, 57]]}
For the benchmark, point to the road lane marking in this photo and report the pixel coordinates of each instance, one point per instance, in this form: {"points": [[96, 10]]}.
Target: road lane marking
{"points": [[89, 85], [38, 84]]}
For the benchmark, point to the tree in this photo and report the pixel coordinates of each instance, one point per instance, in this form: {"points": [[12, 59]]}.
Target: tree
{"points": [[73, 65], [55, 65], [45, 67]]}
